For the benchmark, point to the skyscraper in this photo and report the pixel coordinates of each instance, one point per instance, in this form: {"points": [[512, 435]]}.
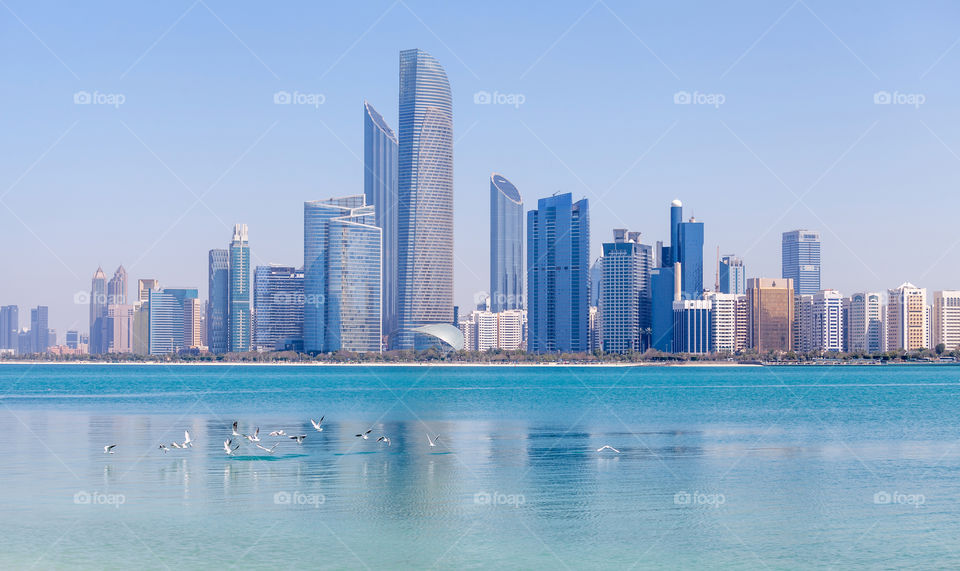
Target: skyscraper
{"points": [[380, 188], [692, 326], [690, 256], [278, 308], [425, 190], [771, 310], [341, 276], [218, 296], [144, 286], [723, 308], [9, 327], [801, 260], [168, 324], [625, 294], [866, 322], [117, 288], [506, 245], [120, 328], [558, 257], [907, 318], [733, 278], [98, 312], [39, 329], [238, 330]]}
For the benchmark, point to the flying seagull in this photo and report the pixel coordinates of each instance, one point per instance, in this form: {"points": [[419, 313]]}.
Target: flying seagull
{"points": [[433, 441], [186, 440], [278, 433], [384, 439], [229, 447], [108, 449], [316, 424], [235, 433], [299, 438], [365, 435], [164, 448], [255, 437], [269, 450], [607, 447], [175, 445]]}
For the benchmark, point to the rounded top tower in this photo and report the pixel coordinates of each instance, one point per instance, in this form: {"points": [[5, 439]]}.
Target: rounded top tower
{"points": [[676, 202]]}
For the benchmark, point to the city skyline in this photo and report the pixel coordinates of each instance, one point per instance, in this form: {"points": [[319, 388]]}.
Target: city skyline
{"points": [[844, 148]]}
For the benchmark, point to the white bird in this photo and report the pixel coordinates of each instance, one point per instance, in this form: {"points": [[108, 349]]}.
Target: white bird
{"points": [[316, 424], [229, 447], [278, 433], [269, 450], [164, 448], [186, 440], [299, 438], [384, 439], [433, 441], [255, 437], [607, 447], [108, 449], [175, 445], [365, 435], [235, 433]]}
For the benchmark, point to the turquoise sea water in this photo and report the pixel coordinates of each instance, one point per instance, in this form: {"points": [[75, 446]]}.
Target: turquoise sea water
{"points": [[740, 468]]}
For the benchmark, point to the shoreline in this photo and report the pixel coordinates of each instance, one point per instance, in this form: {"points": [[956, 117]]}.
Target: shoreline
{"points": [[381, 364]]}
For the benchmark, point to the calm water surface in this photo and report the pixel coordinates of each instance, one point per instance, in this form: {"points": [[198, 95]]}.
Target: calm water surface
{"points": [[740, 468]]}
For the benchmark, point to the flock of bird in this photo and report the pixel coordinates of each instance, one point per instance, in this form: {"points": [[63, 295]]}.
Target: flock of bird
{"points": [[232, 444]]}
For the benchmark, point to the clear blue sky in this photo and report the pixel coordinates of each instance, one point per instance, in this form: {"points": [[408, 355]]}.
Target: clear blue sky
{"points": [[797, 142]]}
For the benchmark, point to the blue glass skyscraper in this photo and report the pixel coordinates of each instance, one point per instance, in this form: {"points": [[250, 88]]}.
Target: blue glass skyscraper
{"points": [[801, 260], [625, 294], [218, 305], [506, 245], [690, 256], [733, 277], [425, 189], [166, 319], [342, 279], [558, 259], [238, 333], [380, 188], [278, 308]]}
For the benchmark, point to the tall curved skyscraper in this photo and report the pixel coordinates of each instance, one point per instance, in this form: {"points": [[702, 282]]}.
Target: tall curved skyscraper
{"points": [[425, 192], [506, 245], [380, 188]]}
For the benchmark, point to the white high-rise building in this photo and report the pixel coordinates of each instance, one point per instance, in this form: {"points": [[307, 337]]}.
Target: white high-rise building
{"points": [[946, 319], [484, 330], [866, 322], [827, 317], [723, 321], [908, 318]]}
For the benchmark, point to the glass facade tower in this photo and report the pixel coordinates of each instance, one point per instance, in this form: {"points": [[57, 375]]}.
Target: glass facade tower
{"points": [[558, 282], [278, 308], [238, 331], [801, 260], [380, 188], [218, 305], [342, 275], [732, 275], [425, 196], [506, 245], [98, 312], [625, 294], [167, 323]]}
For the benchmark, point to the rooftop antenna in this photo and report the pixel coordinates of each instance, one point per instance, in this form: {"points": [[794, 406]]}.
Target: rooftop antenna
{"points": [[716, 287]]}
